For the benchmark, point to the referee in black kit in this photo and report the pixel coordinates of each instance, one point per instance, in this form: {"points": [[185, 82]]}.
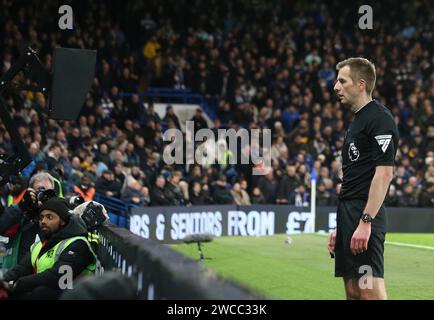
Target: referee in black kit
{"points": [[368, 155]]}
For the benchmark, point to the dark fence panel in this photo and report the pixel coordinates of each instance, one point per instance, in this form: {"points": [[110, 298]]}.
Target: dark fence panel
{"points": [[162, 273]]}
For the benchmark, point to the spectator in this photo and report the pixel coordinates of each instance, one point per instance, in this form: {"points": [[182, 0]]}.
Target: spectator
{"points": [[408, 197], [197, 196], [76, 170], [132, 156], [36, 153], [151, 114], [133, 193], [323, 195], [426, 197], [151, 48], [85, 189], [107, 185], [173, 190], [276, 148], [221, 194], [74, 140], [287, 185], [150, 168], [199, 120], [392, 197], [334, 200], [257, 196], [158, 196], [195, 174], [300, 198], [134, 107], [119, 173], [240, 196], [145, 197], [417, 187], [171, 117], [268, 185], [244, 186], [54, 154]]}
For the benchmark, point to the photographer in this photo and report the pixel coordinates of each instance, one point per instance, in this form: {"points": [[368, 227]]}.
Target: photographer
{"points": [[16, 222], [63, 243]]}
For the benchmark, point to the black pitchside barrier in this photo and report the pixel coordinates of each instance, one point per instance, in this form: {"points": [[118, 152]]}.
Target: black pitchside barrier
{"points": [[162, 273]]}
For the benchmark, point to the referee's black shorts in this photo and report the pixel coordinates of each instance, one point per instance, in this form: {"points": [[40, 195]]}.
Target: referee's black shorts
{"points": [[348, 265]]}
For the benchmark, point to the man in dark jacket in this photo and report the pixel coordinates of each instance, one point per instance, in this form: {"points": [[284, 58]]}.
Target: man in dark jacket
{"points": [[268, 185], [158, 196], [107, 185], [64, 248], [221, 194], [199, 120], [198, 196], [173, 191], [133, 193], [287, 185], [171, 116], [426, 198]]}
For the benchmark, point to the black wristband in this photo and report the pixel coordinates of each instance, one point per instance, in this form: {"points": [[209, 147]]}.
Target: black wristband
{"points": [[366, 218]]}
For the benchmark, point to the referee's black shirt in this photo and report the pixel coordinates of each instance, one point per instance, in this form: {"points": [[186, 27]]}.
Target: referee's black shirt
{"points": [[371, 140]]}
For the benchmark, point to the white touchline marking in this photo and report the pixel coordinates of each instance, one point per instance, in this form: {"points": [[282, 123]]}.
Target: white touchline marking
{"points": [[401, 244]]}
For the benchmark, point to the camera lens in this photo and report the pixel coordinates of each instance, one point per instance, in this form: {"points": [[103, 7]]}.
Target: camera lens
{"points": [[45, 195]]}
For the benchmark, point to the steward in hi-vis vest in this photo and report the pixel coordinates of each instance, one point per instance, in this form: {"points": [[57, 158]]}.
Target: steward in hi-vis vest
{"points": [[53, 263]]}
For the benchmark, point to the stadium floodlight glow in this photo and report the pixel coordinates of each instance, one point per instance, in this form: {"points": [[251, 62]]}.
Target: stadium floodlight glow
{"points": [[65, 88]]}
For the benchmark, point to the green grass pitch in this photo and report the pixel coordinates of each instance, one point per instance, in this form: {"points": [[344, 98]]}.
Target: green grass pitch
{"points": [[303, 269]]}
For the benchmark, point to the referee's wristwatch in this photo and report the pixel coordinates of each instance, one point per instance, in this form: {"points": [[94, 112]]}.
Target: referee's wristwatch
{"points": [[366, 217]]}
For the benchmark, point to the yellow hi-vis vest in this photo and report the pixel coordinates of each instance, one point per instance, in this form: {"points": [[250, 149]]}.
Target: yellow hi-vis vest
{"points": [[15, 200], [49, 258], [226, 159], [93, 238], [58, 187]]}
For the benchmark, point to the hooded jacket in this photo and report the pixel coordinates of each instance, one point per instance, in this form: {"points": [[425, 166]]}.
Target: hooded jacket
{"points": [[77, 255]]}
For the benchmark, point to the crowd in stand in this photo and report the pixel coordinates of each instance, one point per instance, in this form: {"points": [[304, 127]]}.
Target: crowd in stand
{"points": [[270, 64]]}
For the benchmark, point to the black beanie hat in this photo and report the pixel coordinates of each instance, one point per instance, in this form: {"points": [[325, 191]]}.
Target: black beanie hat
{"points": [[59, 206]]}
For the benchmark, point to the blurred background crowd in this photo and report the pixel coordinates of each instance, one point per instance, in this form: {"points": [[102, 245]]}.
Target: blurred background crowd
{"points": [[267, 64]]}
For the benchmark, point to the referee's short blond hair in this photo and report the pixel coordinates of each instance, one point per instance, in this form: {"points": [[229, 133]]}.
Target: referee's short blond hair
{"points": [[360, 68]]}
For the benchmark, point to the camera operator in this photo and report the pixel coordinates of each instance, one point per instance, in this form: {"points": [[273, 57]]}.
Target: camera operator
{"points": [[63, 243], [17, 221]]}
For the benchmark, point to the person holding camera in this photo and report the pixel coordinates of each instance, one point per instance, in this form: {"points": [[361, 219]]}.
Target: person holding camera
{"points": [[63, 249], [17, 221]]}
